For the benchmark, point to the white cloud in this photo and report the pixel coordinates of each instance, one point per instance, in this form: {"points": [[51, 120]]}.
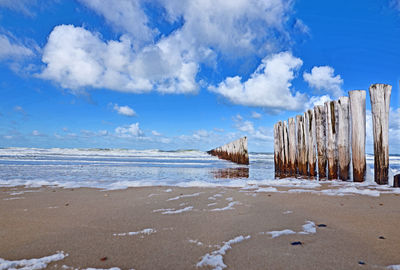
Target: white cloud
{"points": [[11, 49], [126, 16], [77, 58], [155, 133], [245, 126], [268, 87], [130, 131], [35, 133], [256, 115], [323, 78], [142, 60], [316, 100], [124, 110], [19, 5]]}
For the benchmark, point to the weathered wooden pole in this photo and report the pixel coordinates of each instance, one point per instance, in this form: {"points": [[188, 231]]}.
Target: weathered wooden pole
{"points": [[301, 146], [281, 155], [292, 146], [276, 149], [357, 116], [396, 180], [310, 135], [343, 138], [331, 139], [285, 149], [235, 151], [320, 132], [380, 102]]}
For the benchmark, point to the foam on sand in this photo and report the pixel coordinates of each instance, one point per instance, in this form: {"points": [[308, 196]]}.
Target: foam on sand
{"points": [[147, 231], [185, 196], [394, 267], [216, 259], [279, 233], [39, 263], [228, 207], [173, 211]]}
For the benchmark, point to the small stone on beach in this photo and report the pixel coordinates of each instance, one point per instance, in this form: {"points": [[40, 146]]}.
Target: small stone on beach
{"points": [[103, 259], [361, 262], [382, 237], [296, 243], [321, 225]]}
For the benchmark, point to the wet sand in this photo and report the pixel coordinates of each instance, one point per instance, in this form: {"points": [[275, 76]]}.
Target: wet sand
{"points": [[83, 223]]}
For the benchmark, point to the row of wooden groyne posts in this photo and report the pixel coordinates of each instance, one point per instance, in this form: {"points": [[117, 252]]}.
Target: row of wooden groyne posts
{"points": [[323, 141]]}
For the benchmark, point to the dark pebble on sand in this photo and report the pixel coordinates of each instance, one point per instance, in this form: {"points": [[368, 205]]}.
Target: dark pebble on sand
{"points": [[382, 237], [361, 262], [296, 243], [66, 204], [103, 259], [322, 225]]}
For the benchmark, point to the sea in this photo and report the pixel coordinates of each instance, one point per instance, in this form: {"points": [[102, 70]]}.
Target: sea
{"points": [[122, 168]]}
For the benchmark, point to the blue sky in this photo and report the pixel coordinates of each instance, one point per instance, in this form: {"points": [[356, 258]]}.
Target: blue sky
{"points": [[185, 74]]}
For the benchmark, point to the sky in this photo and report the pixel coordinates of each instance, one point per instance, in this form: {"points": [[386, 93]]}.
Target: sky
{"points": [[186, 74]]}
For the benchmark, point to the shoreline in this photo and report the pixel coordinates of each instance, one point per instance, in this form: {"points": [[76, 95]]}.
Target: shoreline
{"points": [[167, 227]]}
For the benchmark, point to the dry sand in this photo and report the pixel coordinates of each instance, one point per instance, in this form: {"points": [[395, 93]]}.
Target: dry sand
{"points": [[82, 223]]}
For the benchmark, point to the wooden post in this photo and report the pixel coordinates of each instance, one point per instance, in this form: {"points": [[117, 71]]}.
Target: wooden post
{"points": [[276, 149], [301, 146], [357, 115], [285, 149], [292, 146], [320, 132], [380, 102], [310, 135], [235, 151], [281, 156], [331, 135], [343, 138], [396, 180]]}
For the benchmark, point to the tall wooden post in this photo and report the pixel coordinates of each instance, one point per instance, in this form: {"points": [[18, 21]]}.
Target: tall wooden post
{"points": [[292, 146], [281, 149], [310, 142], [380, 102], [285, 149], [331, 136], [357, 115], [320, 132], [343, 138], [276, 149], [301, 146]]}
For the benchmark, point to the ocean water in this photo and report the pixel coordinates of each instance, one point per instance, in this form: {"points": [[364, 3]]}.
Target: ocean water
{"points": [[121, 168]]}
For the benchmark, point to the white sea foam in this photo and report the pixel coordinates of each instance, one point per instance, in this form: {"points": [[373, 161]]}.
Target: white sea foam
{"points": [[147, 231], [173, 211], [185, 196], [394, 267], [196, 242], [216, 259], [275, 234], [228, 207], [37, 263], [309, 228], [287, 212]]}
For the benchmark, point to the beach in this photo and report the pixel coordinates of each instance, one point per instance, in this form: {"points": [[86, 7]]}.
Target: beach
{"points": [[200, 228]]}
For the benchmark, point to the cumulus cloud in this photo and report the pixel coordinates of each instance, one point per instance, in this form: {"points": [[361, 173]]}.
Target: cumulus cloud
{"points": [[124, 110], [269, 86], [126, 16], [143, 60], [246, 126], [322, 78], [77, 58], [129, 131], [12, 49], [316, 100], [35, 133]]}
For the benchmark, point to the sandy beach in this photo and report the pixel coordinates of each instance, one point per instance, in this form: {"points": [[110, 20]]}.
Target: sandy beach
{"points": [[194, 228]]}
